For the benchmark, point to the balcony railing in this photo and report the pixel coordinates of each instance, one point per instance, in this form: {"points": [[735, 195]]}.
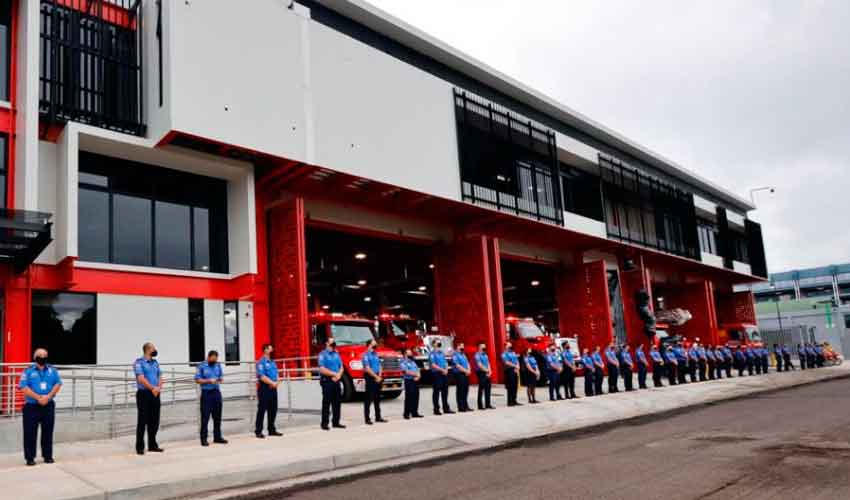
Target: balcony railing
{"points": [[91, 63]]}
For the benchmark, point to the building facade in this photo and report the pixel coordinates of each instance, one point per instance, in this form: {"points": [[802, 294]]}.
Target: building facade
{"points": [[204, 176]]}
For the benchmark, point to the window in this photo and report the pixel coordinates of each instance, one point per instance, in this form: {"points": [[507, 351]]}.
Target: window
{"points": [[196, 331], [707, 237], [847, 321], [141, 215], [5, 48], [3, 159], [231, 331], [66, 325]]}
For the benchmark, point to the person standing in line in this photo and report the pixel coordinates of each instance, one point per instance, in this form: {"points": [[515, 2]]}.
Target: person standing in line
{"points": [[702, 361], [750, 359], [672, 363], [627, 367], [740, 361], [411, 386], [729, 358], [598, 371], [209, 376], [149, 385], [553, 373], [568, 375], [786, 357], [267, 384], [765, 360], [711, 361], [510, 362], [777, 354], [40, 383], [642, 365], [681, 362], [484, 374], [461, 371], [658, 367], [532, 375], [718, 362], [693, 357], [811, 358], [330, 375], [373, 373], [801, 355], [756, 359], [613, 368], [820, 357], [587, 365], [439, 379]]}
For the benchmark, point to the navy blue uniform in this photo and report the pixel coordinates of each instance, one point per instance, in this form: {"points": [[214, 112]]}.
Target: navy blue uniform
{"points": [[626, 368], [147, 404], [553, 365], [613, 370], [211, 404], [587, 363], [40, 381], [681, 363], [568, 374], [801, 354], [482, 368], [786, 357], [672, 366], [511, 378], [331, 393], [642, 364], [266, 396], [657, 368], [461, 381], [411, 388], [371, 360], [439, 382]]}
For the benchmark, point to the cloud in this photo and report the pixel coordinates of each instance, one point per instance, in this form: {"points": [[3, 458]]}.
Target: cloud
{"points": [[745, 93]]}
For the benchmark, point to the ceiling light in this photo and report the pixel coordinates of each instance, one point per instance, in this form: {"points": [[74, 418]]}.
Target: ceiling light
{"points": [[535, 283], [326, 307], [423, 288], [367, 299], [360, 256], [361, 282], [431, 266]]}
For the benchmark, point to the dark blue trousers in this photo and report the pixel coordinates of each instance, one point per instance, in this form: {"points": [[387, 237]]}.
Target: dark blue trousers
{"points": [[411, 397], [211, 407], [554, 384], [266, 407], [36, 415]]}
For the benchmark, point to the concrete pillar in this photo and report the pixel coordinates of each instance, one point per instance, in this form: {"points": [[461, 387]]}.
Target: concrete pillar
{"points": [[584, 308], [631, 282], [287, 279]]}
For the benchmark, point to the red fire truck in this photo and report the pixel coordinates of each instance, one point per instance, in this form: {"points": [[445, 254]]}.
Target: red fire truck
{"points": [[352, 335], [739, 334], [524, 333]]}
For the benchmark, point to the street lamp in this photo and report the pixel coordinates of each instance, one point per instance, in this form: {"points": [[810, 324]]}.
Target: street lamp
{"points": [[756, 190]]}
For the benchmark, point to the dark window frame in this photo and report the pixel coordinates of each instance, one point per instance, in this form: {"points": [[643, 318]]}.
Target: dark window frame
{"points": [[6, 55], [4, 169], [197, 307], [56, 352], [227, 353]]}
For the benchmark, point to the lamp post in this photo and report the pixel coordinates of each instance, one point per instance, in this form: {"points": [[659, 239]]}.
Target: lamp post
{"points": [[753, 191]]}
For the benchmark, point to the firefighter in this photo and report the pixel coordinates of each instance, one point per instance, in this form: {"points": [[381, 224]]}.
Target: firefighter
{"points": [[702, 361], [750, 359], [727, 363], [765, 360], [657, 367], [681, 362], [587, 364], [330, 375], [627, 364], [671, 361], [719, 361], [484, 374], [740, 361], [411, 386], [439, 379], [209, 376], [532, 375], [757, 359], [710, 361], [373, 372], [598, 371], [693, 361], [554, 367], [810, 355], [40, 383], [786, 357], [801, 355], [642, 364], [820, 359], [568, 374], [777, 354], [462, 371], [510, 362], [149, 385], [613, 368]]}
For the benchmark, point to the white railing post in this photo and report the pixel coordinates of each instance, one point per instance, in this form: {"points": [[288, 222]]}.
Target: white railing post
{"points": [[173, 386], [73, 391], [287, 380], [91, 393]]}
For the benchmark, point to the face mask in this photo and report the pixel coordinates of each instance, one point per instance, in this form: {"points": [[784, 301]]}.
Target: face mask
{"points": [[40, 360], [439, 346], [332, 345], [154, 354], [212, 363]]}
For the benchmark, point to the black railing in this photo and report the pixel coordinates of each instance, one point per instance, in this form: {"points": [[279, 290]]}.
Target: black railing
{"points": [[507, 162], [91, 63], [23, 236]]}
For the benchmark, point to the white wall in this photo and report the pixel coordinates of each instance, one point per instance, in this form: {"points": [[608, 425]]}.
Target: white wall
{"points": [[584, 225], [125, 323], [711, 259], [48, 158]]}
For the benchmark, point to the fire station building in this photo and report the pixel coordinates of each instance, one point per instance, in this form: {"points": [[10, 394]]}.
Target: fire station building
{"points": [[204, 176]]}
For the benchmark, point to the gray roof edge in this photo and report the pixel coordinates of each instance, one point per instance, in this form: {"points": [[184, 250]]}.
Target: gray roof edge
{"points": [[410, 36]]}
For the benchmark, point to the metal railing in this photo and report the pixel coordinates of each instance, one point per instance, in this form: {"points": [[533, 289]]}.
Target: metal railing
{"points": [[106, 391]]}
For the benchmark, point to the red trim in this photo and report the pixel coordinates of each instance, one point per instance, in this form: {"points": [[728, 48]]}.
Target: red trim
{"points": [[109, 12], [528, 260]]}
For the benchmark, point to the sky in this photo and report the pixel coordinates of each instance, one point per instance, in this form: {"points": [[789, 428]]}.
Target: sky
{"points": [[746, 93]]}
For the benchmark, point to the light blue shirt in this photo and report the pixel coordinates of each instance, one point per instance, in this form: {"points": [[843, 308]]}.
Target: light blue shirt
{"points": [[612, 357], [40, 381], [207, 372], [641, 356], [567, 357], [530, 362], [410, 369], [587, 361], [482, 361], [268, 368], [151, 371], [627, 358], [371, 360], [597, 358], [510, 357], [437, 358], [460, 360], [656, 356], [553, 361], [330, 360]]}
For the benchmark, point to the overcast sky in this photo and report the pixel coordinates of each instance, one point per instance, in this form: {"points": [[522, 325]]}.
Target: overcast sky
{"points": [[746, 93]]}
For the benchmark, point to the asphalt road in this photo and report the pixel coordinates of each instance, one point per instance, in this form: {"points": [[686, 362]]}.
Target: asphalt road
{"points": [[791, 444]]}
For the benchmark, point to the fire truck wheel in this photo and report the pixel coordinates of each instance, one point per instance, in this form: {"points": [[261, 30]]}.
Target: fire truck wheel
{"points": [[348, 393], [391, 394]]}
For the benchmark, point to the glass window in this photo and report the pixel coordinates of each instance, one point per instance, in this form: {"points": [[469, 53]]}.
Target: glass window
{"points": [[131, 229], [201, 236], [231, 331], [3, 152], [93, 225], [66, 325], [173, 235], [5, 43], [196, 331]]}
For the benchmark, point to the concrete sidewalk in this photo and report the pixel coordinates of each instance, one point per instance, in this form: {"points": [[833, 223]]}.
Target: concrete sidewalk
{"points": [[110, 469]]}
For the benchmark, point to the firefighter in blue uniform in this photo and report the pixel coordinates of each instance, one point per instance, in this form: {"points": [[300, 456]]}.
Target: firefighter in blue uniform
{"points": [[786, 357], [209, 376], [149, 385], [462, 371], [373, 372], [757, 359], [439, 379], [330, 376], [587, 365], [484, 373], [777, 353], [693, 361], [711, 361], [642, 364], [411, 386], [532, 375], [658, 367], [613, 368], [740, 360], [801, 355], [40, 383], [627, 364], [719, 360], [810, 356], [672, 363], [681, 362], [510, 363], [728, 359], [598, 372], [554, 367], [702, 361], [751, 359], [267, 384], [765, 360], [568, 374]]}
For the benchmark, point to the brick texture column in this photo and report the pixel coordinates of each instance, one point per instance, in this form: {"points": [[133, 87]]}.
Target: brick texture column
{"points": [[584, 308], [698, 298]]}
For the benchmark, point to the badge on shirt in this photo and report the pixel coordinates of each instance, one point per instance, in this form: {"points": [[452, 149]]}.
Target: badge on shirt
{"points": [[43, 386]]}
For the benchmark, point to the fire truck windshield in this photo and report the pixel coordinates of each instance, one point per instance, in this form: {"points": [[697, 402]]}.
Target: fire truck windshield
{"points": [[351, 332], [401, 327], [529, 330]]}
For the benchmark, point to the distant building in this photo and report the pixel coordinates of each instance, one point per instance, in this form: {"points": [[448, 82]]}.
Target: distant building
{"points": [[826, 282]]}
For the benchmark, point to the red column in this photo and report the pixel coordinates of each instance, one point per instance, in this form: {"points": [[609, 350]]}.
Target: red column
{"points": [[497, 299], [630, 283], [465, 293], [584, 308], [262, 334], [287, 279], [735, 307], [698, 299], [17, 338]]}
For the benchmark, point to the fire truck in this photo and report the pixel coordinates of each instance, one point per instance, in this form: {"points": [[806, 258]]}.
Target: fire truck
{"points": [[352, 335], [524, 333], [739, 334]]}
